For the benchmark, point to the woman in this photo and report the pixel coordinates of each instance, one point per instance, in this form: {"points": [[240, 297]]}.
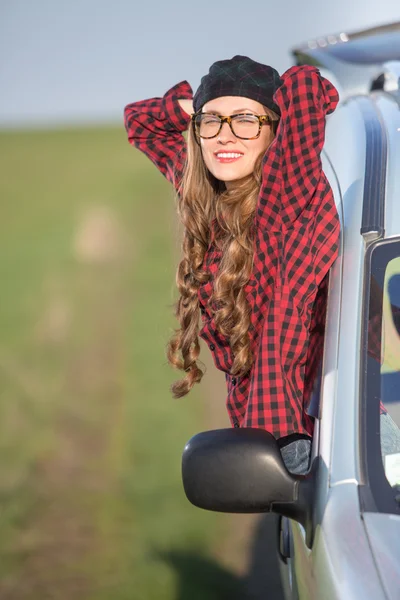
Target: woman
{"points": [[261, 232]]}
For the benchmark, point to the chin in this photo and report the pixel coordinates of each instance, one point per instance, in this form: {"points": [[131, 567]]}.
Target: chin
{"points": [[226, 175]]}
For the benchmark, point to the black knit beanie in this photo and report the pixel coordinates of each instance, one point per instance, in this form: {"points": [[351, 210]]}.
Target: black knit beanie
{"points": [[239, 76]]}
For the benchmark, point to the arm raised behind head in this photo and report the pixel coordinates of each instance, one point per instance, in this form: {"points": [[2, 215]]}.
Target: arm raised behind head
{"points": [[155, 126], [292, 167]]}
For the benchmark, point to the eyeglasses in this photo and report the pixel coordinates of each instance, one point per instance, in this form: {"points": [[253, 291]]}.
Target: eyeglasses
{"points": [[243, 126]]}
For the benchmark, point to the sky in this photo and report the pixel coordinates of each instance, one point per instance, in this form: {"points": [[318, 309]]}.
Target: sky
{"points": [[81, 61]]}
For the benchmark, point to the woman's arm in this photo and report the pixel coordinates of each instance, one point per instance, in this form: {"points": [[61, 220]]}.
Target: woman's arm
{"points": [[292, 164], [155, 127], [295, 191]]}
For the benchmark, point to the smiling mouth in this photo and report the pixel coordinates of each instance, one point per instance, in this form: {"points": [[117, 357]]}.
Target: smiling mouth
{"points": [[227, 157]]}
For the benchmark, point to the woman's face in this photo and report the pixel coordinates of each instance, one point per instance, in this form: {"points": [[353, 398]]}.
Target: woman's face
{"points": [[231, 169]]}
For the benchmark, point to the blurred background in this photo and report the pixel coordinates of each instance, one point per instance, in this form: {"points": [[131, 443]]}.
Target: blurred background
{"points": [[91, 500]]}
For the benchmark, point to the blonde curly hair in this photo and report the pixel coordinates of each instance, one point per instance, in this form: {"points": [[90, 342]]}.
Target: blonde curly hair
{"points": [[202, 200]]}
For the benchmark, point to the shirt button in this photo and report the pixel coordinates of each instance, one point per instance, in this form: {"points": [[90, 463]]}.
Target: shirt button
{"points": [[234, 380], [212, 347]]}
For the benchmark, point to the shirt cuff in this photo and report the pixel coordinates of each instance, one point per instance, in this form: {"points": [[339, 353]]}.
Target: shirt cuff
{"points": [[177, 117]]}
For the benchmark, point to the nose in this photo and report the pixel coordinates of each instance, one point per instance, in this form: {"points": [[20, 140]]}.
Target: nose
{"points": [[226, 134]]}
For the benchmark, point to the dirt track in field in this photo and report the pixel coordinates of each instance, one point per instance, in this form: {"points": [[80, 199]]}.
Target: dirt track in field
{"points": [[62, 546]]}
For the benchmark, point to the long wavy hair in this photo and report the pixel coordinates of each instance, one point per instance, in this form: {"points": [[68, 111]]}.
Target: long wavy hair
{"points": [[204, 202]]}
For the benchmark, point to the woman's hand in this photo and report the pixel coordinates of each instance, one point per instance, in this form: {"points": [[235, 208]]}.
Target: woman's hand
{"points": [[187, 106]]}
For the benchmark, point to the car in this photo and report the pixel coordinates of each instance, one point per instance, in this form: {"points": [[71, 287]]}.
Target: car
{"points": [[339, 533]]}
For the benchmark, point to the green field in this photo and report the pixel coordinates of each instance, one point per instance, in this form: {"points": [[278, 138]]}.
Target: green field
{"points": [[92, 505]]}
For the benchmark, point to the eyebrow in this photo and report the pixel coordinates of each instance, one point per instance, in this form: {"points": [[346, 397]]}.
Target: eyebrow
{"points": [[238, 110]]}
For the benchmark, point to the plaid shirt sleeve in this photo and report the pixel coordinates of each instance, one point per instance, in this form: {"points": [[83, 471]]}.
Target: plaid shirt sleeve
{"points": [[297, 243], [155, 127], [292, 164]]}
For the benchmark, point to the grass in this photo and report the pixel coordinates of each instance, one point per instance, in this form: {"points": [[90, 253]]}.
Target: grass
{"points": [[91, 440]]}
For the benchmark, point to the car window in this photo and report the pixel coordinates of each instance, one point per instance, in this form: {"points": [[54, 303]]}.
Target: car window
{"points": [[383, 360], [390, 371]]}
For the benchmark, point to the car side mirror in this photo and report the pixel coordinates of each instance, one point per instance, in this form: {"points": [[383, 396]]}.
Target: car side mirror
{"points": [[241, 470]]}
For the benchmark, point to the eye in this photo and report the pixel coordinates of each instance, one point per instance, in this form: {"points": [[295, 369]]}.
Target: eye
{"points": [[207, 119], [246, 119]]}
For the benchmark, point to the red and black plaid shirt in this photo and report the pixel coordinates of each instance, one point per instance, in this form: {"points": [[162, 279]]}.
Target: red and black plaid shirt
{"points": [[296, 242]]}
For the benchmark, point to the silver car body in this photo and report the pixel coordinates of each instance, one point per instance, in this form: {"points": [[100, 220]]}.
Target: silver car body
{"points": [[355, 553]]}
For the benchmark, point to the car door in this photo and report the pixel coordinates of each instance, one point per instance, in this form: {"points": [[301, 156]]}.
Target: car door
{"points": [[296, 557]]}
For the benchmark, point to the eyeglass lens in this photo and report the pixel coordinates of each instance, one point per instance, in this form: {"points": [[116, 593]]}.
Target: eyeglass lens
{"points": [[245, 126]]}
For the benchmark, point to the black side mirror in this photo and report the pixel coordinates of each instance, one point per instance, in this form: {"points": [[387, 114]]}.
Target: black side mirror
{"points": [[241, 471]]}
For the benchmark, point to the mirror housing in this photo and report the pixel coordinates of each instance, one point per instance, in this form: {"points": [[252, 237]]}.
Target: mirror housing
{"points": [[241, 470]]}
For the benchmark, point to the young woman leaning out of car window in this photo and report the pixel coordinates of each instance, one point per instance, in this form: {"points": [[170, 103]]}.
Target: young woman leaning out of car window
{"points": [[261, 232]]}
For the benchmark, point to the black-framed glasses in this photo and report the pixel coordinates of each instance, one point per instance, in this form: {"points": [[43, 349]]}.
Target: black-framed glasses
{"points": [[244, 126]]}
